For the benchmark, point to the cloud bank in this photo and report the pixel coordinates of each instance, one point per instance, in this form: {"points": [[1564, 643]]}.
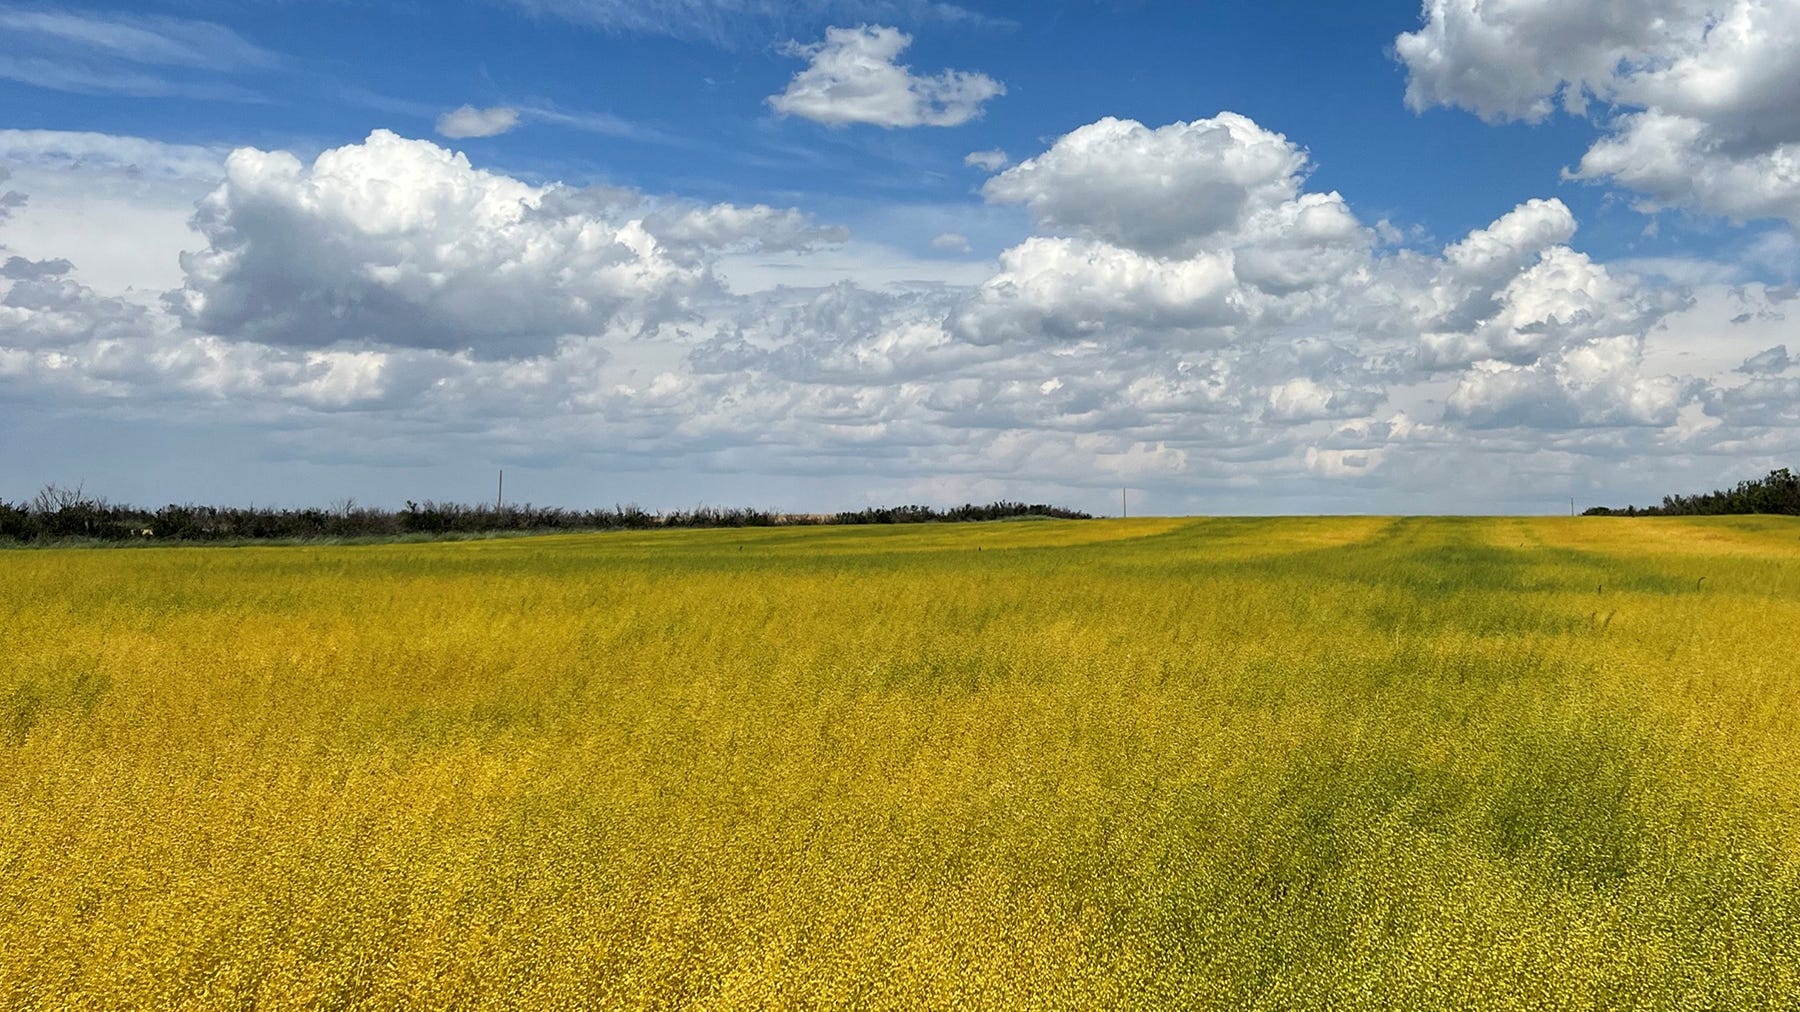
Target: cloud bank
{"points": [[1187, 315]]}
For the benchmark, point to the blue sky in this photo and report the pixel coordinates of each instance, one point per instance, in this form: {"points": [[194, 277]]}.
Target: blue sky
{"points": [[690, 117], [1533, 243]]}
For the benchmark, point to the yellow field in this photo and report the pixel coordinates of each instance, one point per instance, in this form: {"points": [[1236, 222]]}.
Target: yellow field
{"points": [[1308, 763]]}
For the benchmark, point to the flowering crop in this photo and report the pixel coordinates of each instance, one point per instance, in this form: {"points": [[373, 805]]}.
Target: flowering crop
{"points": [[1285, 763]]}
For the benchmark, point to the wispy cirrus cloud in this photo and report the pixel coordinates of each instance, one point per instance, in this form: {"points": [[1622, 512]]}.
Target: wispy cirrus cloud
{"points": [[65, 151], [735, 24], [127, 54], [604, 123], [158, 41], [474, 121]]}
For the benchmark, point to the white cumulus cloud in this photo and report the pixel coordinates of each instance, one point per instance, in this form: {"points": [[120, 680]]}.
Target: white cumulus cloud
{"points": [[851, 77], [990, 161], [1074, 287], [469, 121], [1595, 383], [951, 242], [1707, 91], [401, 242], [388, 301], [1767, 362], [1157, 191]]}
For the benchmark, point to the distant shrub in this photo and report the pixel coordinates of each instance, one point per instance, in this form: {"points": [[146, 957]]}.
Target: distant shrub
{"points": [[15, 522], [964, 513], [57, 513]]}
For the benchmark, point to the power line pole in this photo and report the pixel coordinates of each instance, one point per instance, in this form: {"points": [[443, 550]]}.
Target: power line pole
{"points": [[1124, 512], [500, 493]]}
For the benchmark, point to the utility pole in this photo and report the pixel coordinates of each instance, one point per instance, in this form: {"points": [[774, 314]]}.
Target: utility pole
{"points": [[500, 493], [1571, 505], [1124, 513]]}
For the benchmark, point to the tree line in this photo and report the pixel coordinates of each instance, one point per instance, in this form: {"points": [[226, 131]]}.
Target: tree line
{"points": [[70, 514], [1777, 493]]}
